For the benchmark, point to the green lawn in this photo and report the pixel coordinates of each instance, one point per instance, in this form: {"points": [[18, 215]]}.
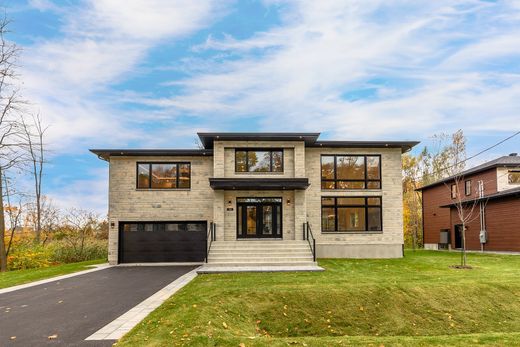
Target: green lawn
{"points": [[13, 278], [415, 301]]}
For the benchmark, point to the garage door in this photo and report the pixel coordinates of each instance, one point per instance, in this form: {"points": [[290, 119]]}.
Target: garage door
{"points": [[153, 242]]}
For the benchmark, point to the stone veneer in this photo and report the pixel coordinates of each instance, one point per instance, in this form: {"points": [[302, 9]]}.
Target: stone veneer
{"points": [[126, 203]]}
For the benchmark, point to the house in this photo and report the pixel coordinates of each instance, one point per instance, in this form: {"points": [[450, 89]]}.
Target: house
{"points": [[256, 199], [492, 191]]}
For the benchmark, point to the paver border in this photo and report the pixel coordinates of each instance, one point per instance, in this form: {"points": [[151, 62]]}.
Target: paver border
{"points": [[96, 267], [124, 323]]}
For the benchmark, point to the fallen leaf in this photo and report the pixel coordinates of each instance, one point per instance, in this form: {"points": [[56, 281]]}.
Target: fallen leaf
{"points": [[194, 305], [53, 337], [285, 307], [285, 314], [59, 302], [224, 325], [242, 344], [13, 337], [361, 308]]}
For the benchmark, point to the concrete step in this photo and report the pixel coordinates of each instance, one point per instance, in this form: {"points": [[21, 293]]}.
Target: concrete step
{"points": [[262, 263], [260, 258], [253, 253]]}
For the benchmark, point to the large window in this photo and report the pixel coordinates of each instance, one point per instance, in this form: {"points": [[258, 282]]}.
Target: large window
{"points": [[513, 177], [467, 187], [351, 214], [163, 175], [351, 172], [259, 160]]}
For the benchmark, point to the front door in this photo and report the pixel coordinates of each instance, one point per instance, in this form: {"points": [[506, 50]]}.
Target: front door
{"points": [[458, 236], [259, 217]]}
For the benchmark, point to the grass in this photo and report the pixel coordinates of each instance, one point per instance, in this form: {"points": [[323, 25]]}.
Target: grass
{"points": [[415, 301], [16, 277]]}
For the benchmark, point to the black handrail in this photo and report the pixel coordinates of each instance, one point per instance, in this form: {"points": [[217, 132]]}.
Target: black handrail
{"points": [[210, 237], [306, 233]]}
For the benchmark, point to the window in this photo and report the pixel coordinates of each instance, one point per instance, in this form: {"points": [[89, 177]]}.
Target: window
{"points": [[259, 160], [351, 172], [163, 175], [467, 187], [351, 214], [453, 191], [513, 177]]}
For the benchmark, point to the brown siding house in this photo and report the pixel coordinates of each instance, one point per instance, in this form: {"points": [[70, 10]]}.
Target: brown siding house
{"points": [[499, 221]]}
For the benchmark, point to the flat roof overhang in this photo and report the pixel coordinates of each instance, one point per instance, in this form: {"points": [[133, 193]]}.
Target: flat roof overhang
{"points": [[404, 145], [207, 139], [105, 154], [259, 183]]}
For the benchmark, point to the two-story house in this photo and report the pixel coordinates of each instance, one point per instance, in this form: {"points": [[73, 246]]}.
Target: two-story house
{"points": [[490, 196], [249, 199]]}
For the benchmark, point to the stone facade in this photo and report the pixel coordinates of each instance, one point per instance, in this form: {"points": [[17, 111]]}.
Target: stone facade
{"points": [[201, 203]]}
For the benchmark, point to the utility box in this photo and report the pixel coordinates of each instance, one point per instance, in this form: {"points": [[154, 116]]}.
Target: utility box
{"points": [[444, 239], [483, 236]]}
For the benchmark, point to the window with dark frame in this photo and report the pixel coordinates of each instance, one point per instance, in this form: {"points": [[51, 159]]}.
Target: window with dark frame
{"points": [[350, 171], [467, 187], [259, 160], [169, 175], [513, 177], [351, 214], [453, 191]]}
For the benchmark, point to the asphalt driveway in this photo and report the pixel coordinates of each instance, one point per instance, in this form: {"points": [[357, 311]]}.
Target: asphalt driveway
{"points": [[74, 308]]}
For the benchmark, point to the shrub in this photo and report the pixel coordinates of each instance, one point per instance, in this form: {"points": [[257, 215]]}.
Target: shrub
{"points": [[29, 256], [93, 249]]}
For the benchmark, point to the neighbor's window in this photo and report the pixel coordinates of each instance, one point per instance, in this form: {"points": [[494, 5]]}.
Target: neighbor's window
{"points": [[351, 172], [453, 191], [467, 187], [163, 175], [351, 214], [513, 177], [253, 160]]}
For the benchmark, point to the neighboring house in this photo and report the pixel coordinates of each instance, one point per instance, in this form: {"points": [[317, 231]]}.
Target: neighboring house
{"points": [[497, 226], [256, 198]]}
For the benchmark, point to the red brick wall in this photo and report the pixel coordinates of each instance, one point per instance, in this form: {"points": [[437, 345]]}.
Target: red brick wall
{"points": [[436, 218]]}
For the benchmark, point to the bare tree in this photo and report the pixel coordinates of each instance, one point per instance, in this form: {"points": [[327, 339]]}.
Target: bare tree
{"points": [[78, 226], [14, 214], [11, 108], [33, 138], [466, 208]]}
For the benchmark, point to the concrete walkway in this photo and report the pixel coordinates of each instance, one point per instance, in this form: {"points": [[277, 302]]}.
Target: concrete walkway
{"points": [[65, 312]]}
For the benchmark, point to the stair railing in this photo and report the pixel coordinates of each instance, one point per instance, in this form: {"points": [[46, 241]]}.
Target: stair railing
{"points": [[307, 235], [210, 237]]}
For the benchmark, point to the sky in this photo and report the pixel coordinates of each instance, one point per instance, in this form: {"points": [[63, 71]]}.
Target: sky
{"points": [[151, 73]]}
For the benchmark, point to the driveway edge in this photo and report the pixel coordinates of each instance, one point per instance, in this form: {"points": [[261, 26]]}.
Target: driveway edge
{"points": [[124, 323], [56, 278]]}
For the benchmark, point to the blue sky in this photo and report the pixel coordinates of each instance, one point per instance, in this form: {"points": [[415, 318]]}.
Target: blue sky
{"points": [[151, 73]]}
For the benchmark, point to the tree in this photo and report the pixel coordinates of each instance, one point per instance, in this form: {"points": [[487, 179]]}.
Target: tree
{"points": [[77, 227], [33, 137], [10, 112], [455, 166]]}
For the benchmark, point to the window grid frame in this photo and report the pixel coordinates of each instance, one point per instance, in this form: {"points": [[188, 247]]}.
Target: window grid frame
{"points": [[271, 160], [177, 174], [366, 206], [365, 181]]}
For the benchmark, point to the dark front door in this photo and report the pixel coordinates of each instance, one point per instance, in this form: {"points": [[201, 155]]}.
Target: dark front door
{"points": [[152, 242], [259, 217], [458, 236]]}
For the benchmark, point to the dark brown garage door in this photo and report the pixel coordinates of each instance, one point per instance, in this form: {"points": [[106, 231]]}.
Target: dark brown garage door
{"points": [[154, 242]]}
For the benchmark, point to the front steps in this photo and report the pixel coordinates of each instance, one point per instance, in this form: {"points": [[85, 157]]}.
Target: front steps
{"points": [[259, 256]]}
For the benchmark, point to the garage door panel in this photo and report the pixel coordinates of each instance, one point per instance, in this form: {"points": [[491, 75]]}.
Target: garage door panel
{"points": [[163, 242]]}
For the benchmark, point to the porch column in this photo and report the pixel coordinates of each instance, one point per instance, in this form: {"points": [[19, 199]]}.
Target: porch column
{"points": [[218, 213], [300, 213]]}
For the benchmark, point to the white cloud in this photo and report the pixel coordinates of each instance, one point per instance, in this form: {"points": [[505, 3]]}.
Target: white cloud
{"points": [[324, 50], [104, 42]]}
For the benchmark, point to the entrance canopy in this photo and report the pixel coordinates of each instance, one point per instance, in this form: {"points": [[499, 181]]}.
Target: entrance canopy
{"points": [[259, 183]]}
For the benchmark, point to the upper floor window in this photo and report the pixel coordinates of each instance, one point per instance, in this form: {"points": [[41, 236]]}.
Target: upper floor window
{"points": [[259, 160], [513, 177], [467, 187], [453, 191], [351, 172], [351, 214], [163, 175]]}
